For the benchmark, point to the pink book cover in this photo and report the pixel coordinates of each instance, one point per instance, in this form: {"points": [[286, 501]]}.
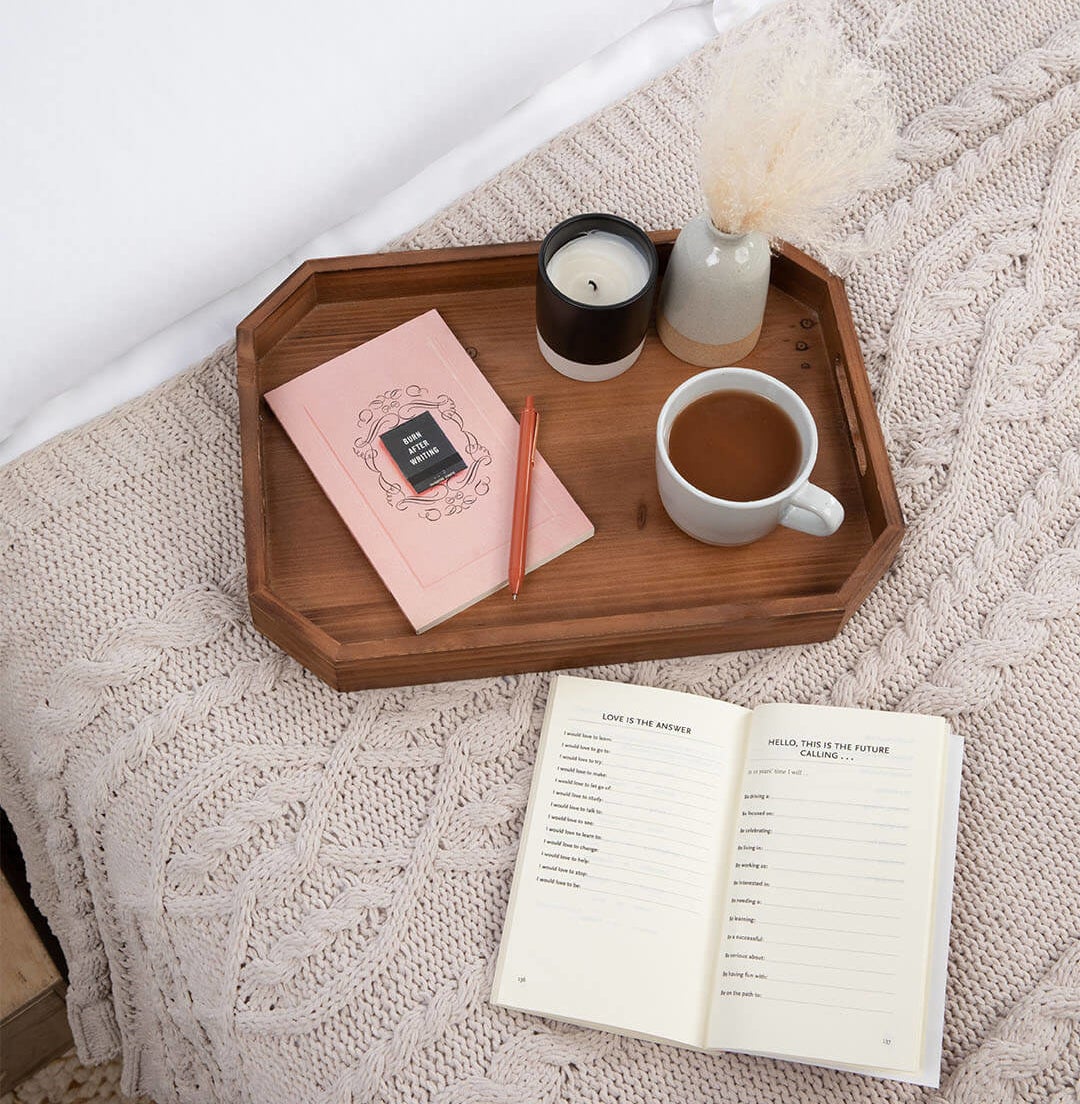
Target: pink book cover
{"points": [[444, 547]]}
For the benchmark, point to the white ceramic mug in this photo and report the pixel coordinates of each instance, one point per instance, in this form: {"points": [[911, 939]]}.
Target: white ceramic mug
{"points": [[800, 505]]}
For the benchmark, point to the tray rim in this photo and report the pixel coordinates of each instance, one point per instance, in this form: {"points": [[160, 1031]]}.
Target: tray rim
{"points": [[342, 664]]}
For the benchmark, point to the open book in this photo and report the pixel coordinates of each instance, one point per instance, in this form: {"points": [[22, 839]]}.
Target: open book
{"points": [[775, 881]]}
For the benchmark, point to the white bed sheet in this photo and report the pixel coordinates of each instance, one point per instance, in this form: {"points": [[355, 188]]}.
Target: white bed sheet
{"points": [[158, 155], [643, 53]]}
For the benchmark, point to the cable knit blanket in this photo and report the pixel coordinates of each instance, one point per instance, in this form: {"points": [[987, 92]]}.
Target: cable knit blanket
{"points": [[270, 891]]}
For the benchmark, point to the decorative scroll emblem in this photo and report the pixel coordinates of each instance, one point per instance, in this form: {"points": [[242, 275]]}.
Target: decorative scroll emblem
{"points": [[454, 495]]}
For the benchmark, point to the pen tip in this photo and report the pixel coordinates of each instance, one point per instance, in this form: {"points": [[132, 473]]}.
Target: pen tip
{"points": [[514, 597]]}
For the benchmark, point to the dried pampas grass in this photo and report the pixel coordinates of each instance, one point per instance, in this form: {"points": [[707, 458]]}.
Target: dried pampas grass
{"points": [[794, 125]]}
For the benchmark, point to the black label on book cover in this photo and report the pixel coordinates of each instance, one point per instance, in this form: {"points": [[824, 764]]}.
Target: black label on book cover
{"points": [[422, 452]]}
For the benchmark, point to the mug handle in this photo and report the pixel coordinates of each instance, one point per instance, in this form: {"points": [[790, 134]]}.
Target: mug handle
{"points": [[813, 511]]}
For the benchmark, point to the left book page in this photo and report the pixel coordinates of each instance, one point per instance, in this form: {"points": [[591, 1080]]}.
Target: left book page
{"points": [[439, 537], [612, 913]]}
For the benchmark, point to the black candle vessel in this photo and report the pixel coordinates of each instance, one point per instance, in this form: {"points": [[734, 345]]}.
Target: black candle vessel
{"points": [[595, 286]]}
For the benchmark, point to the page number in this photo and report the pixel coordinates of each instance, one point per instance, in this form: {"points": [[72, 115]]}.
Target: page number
{"points": [[886, 1040], [521, 979]]}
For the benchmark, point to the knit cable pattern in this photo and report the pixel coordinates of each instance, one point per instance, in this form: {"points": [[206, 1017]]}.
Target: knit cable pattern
{"points": [[267, 890]]}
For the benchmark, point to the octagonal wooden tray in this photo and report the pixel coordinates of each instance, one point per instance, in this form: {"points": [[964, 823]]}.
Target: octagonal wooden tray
{"points": [[640, 588]]}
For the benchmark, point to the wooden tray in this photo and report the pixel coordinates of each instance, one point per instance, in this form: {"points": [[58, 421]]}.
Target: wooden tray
{"points": [[640, 589]]}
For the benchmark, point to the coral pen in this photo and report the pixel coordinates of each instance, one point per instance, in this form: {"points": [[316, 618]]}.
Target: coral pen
{"points": [[530, 422]]}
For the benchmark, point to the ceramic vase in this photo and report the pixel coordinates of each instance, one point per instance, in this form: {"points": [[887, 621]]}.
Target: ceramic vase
{"points": [[713, 296]]}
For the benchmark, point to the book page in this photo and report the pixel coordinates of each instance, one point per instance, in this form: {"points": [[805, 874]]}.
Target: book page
{"points": [[825, 952], [612, 913]]}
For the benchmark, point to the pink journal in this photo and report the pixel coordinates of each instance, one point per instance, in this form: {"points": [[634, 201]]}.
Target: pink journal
{"points": [[417, 453]]}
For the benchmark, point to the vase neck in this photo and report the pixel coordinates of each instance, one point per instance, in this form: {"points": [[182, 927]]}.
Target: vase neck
{"points": [[726, 235]]}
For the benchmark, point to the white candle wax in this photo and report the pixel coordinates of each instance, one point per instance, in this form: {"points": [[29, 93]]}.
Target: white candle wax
{"points": [[598, 269]]}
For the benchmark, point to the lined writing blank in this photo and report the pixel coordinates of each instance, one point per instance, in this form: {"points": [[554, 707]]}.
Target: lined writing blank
{"points": [[846, 944], [834, 874], [825, 1004], [832, 911], [634, 820], [819, 947], [830, 966], [839, 801]]}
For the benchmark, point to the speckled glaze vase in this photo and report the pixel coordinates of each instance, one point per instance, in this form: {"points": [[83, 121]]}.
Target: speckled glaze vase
{"points": [[713, 297]]}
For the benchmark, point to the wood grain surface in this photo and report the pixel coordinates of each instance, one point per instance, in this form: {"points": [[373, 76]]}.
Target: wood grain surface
{"points": [[33, 1017], [640, 588]]}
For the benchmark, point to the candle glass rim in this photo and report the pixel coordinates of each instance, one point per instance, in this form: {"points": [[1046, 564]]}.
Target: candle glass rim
{"points": [[652, 258]]}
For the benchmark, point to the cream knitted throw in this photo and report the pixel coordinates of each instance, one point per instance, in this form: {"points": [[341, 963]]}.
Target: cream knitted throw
{"points": [[269, 891]]}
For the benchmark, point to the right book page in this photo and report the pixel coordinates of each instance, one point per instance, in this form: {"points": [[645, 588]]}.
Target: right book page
{"points": [[828, 925]]}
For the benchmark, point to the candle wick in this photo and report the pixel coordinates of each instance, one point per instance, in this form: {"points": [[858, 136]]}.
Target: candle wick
{"points": [[592, 284]]}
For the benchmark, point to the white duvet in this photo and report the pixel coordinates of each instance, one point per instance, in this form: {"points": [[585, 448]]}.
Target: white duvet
{"points": [[167, 166]]}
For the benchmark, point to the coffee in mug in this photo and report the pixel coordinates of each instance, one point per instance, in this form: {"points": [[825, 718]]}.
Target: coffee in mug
{"points": [[734, 452], [735, 445]]}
